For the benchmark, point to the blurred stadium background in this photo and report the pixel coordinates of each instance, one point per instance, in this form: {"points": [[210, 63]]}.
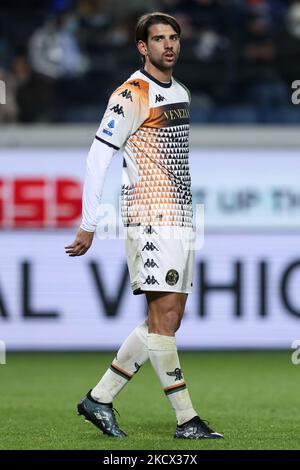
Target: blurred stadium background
{"points": [[59, 61]]}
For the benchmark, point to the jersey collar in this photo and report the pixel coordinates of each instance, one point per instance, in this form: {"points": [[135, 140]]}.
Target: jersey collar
{"points": [[164, 85]]}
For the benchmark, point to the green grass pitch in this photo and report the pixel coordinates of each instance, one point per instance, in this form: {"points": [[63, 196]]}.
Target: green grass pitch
{"points": [[251, 397]]}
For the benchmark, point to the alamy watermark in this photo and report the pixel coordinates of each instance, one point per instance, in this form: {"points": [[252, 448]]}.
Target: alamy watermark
{"points": [[2, 92], [2, 353], [296, 354], [296, 94], [145, 220]]}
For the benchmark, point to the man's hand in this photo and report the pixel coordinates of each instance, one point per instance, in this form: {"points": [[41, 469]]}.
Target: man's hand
{"points": [[81, 244]]}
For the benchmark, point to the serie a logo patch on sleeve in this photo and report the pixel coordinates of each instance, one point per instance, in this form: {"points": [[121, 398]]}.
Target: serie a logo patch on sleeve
{"points": [[108, 129]]}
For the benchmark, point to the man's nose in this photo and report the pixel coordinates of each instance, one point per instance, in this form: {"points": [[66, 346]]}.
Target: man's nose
{"points": [[168, 44]]}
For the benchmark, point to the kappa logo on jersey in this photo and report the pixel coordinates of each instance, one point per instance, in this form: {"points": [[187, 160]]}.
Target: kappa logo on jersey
{"points": [[117, 109], [151, 280], [134, 83], [177, 373], [150, 247], [150, 264], [159, 98], [149, 230], [126, 94], [172, 277]]}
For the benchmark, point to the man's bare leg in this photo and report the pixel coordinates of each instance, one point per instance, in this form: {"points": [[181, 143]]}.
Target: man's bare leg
{"points": [[165, 312]]}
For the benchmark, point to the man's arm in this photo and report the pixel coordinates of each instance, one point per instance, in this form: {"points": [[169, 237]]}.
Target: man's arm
{"points": [[98, 160], [126, 111]]}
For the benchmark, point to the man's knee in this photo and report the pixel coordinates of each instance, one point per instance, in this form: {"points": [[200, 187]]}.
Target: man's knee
{"points": [[173, 319], [165, 322]]}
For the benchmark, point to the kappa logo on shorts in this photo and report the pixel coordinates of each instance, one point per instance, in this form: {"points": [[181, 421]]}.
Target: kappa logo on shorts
{"points": [[177, 373], [149, 230], [151, 280], [150, 264], [172, 277], [150, 247]]}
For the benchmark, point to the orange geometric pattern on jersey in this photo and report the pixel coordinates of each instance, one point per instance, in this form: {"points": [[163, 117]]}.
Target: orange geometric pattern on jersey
{"points": [[162, 195], [156, 186]]}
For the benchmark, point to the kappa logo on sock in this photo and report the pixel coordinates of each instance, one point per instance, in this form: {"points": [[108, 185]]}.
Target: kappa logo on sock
{"points": [[177, 373], [137, 366]]}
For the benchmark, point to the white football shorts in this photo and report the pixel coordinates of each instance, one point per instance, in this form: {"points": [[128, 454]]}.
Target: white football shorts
{"points": [[160, 258]]}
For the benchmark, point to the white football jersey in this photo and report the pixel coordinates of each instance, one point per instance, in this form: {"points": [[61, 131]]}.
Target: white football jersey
{"points": [[149, 120]]}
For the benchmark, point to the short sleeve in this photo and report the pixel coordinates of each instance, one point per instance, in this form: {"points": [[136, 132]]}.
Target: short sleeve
{"points": [[127, 109]]}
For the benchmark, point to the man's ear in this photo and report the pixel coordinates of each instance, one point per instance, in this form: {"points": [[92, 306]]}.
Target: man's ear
{"points": [[142, 48]]}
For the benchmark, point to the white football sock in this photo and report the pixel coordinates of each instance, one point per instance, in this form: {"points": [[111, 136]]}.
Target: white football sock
{"points": [[131, 356], [164, 358]]}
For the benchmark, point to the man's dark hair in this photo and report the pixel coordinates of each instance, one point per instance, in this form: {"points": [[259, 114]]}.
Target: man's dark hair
{"points": [[145, 21]]}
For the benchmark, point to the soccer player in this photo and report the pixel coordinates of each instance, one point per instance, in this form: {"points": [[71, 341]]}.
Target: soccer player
{"points": [[148, 118]]}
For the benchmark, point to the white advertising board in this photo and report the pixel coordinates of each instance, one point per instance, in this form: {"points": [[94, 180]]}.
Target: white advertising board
{"points": [[247, 275]]}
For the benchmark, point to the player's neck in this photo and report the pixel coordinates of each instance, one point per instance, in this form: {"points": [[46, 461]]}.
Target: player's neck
{"points": [[160, 75]]}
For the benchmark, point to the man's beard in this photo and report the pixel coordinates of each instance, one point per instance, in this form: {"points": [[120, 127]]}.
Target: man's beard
{"points": [[161, 65]]}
